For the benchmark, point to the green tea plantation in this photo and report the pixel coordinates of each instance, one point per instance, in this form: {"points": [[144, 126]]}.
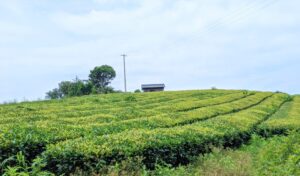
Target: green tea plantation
{"points": [[197, 132]]}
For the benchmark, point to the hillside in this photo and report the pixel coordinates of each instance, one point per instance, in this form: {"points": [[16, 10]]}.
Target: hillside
{"points": [[93, 133]]}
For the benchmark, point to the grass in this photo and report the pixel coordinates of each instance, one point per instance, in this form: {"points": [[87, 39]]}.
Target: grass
{"points": [[279, 155]]}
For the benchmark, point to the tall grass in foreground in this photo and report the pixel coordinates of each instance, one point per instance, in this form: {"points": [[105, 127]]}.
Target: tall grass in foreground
{"points": [[279, 155]]}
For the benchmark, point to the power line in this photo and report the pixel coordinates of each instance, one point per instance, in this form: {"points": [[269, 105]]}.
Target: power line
{"points": [[247, 9], [252, 11], [237, 16], [248, 6]]}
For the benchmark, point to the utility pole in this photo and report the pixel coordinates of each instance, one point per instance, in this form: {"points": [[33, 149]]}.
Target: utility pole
{"points": [[124, 63]]}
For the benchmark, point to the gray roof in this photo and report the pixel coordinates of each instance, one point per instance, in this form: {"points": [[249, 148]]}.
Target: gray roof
{"points": [[145, 86]]}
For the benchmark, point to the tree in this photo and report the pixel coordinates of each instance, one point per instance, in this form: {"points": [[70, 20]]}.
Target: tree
{"points": [[76, 87], [137, 91], [87, 88], [54, 94], [101, 76], [99, 80], [73, 88], [65, 87]]}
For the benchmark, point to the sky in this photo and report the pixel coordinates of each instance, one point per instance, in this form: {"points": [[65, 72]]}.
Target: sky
{"points": [[186, 44]]}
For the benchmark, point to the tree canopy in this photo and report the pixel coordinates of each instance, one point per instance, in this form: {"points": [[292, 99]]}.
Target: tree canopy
{"points": [[102, 76], [99, 80]]}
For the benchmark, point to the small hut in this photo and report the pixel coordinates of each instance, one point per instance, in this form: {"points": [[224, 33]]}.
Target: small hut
{"points": [[153, 87]]}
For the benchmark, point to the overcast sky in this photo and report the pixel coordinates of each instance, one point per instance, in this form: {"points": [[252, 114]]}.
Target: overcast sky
{"points": [[186, 44]]}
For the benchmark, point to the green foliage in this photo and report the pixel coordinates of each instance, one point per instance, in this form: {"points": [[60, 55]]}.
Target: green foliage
{"points": [[47, 122], [75, 88], [126, 119], [278, 155], [65, 87], [104, 90], [219, 162], [137, 91], [71, 89], [102, 76], [161, 144], [22, 168], [286, 118], [102, 133], [130, 98], [54, 94], [132, 166]]}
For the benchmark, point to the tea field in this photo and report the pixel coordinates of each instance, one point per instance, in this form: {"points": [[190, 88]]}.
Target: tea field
{"points": [[159, 133]]}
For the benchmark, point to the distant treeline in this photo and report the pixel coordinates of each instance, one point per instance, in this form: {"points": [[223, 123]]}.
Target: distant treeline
{"points": [[98, 83]]}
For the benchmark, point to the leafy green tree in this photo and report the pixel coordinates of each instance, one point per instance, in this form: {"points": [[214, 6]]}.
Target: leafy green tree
{"points": [[73, 88], [87, 88], [65, 87], [76, 88], [99, 80], [54, 94], [102, 76], [137, 91]]}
